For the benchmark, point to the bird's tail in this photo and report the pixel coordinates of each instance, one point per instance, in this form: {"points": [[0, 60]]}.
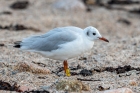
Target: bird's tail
{"points": [[17, 44]]}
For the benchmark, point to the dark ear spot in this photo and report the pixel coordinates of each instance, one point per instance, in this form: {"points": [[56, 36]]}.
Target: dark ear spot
{"points": [[88, 33]]}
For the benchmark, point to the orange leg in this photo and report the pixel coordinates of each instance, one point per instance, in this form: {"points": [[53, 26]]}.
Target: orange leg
{"points": [[66, 69]]}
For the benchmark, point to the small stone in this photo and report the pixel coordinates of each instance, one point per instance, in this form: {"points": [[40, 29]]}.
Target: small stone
{"points": [[19, 27], [14, 72], [25, 88], [2, 64], [100, 88], [6, 12], [5, 91], [133, 82], [119, 90], [86, 72], [44, 87], [1, 44], [70, 5], [82, 58], [125, 21], [85, 87], [30, 67], [72, 86], [20, 5], [79, 66], [134, 44]]}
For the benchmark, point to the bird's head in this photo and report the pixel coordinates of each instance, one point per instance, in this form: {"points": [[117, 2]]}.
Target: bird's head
{"points": [[93, 34]]}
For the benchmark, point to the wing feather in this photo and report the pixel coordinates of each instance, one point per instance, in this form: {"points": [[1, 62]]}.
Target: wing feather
{"points": [[51, 40]]}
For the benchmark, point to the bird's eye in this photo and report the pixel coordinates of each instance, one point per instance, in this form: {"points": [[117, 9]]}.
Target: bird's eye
{"points": [[94, 33]]}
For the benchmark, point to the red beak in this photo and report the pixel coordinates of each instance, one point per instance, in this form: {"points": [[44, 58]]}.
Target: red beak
{"points": [[104, 39]]}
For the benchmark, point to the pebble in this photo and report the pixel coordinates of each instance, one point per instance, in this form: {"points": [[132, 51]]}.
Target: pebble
{"points": [[20, 5], [86, 72], [1, 44], [133, 82], [72, 86], [71, 5], [119, 90], [25, 88], [14, 72], [44, 87], [30, 67]]}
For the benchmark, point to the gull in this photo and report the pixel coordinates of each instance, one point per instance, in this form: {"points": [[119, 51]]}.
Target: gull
{"points": [[62, 43]]}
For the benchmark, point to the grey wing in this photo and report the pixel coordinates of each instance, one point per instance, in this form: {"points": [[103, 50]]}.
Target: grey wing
{"points": [[63, 29], [48, 42]]}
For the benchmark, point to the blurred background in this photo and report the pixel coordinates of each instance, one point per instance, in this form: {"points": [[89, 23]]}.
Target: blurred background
{"points": [[109, 16], [116, 20]]}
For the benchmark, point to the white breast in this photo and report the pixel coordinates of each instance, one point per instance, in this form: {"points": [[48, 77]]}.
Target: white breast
{"points": [[70, 49]]}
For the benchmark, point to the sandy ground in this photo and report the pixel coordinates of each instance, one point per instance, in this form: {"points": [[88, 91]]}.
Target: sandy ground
{"points": [[123, 48]]}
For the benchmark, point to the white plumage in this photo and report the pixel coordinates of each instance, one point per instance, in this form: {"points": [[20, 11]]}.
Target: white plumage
{"points": [[62, 43]]}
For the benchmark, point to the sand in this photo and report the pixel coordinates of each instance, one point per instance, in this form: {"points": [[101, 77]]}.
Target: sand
{"points": [[123, 48]]}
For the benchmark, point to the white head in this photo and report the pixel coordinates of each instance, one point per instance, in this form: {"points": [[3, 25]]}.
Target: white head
{"points": [[93, 34]]}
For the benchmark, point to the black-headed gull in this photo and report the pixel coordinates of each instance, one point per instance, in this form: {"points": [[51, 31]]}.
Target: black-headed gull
{"points": [[62, 43]]}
